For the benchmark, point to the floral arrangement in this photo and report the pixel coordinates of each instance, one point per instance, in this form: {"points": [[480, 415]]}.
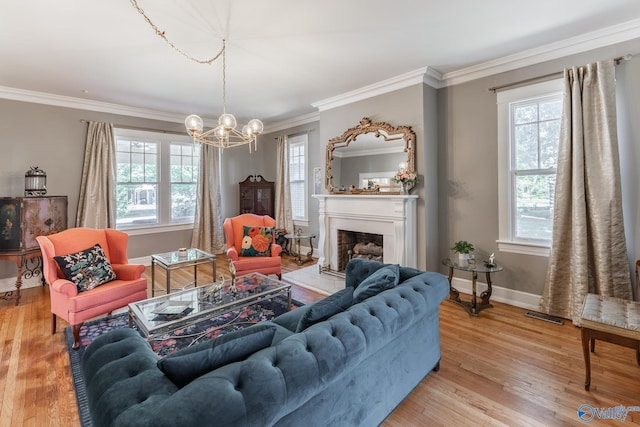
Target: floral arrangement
{"points": [[405, 177]]}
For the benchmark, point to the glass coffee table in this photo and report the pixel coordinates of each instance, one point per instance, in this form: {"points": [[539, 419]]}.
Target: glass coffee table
{"points": [[165, 313]]}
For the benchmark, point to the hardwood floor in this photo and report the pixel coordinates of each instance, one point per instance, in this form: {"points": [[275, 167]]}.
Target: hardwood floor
{"points": [[500, 369]]}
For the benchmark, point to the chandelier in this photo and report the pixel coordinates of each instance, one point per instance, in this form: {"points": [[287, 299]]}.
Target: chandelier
{"points": [[226, 134]]}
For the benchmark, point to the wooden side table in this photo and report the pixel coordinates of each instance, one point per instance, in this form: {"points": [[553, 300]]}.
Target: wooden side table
{"points": [[20, 257], [174, 260], [473, 307]]}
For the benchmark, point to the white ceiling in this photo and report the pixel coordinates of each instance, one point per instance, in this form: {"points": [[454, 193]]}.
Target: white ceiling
{"points": [[282, 55]]}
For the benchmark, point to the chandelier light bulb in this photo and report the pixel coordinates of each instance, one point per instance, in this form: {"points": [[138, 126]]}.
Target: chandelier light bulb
{"points": [[194, 124], [246, 131], [256, 126], [228, 121]]}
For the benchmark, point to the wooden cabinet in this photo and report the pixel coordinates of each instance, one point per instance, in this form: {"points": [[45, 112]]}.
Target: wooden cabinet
{"points": [[257, 196], [22, 219]]}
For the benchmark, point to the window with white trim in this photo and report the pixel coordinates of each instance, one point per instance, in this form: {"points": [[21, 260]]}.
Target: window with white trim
{"points": [[529, 120], [156, 179], [298, 176]]}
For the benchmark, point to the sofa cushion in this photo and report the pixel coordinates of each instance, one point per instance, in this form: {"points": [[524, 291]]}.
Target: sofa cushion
{"points": [[385, 278], [232, 347], [325, 308], [87, 269], [256, 241]]}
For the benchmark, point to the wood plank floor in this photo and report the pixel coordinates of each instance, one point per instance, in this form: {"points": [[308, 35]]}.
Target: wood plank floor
{"points": [[500, 369]]}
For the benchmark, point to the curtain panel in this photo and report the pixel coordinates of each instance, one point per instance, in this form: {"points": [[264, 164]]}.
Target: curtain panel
{"points": [[97, 201], [207, 225], [589, 252], [283, 210]]}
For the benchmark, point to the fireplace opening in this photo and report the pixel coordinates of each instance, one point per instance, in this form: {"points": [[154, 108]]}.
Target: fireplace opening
{"points": [[355, 244]]}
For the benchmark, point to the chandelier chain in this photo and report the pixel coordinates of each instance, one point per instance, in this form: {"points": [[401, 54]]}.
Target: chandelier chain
{"points": [[162, 35]]}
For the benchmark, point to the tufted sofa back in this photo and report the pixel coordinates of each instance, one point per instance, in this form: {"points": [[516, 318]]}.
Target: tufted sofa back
{"points": [[272, 384]]}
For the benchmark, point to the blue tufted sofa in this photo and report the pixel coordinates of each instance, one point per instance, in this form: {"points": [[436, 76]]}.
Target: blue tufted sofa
{"points": [[352, 369]]}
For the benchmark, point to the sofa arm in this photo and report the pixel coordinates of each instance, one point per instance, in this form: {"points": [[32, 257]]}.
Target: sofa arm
{"points": [[123, 379], [64, 286], [232, 253], [128, 271]]}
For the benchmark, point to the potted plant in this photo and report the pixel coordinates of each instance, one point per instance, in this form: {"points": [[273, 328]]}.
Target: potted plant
{"points": [[463, 249]]}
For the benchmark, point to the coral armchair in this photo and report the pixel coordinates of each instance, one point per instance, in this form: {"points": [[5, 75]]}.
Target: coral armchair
{"points": [[76, 307], [234, 234]]}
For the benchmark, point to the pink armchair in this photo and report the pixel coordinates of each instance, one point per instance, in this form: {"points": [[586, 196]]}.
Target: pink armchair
{"points": [[234, 233], [76, 307]]}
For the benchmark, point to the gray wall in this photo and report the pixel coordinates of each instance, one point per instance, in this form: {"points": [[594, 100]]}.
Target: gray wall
{"points": [[456, 158]]}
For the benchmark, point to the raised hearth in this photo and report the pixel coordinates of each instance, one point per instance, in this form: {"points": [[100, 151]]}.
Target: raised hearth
{"points": [[392, 216]]}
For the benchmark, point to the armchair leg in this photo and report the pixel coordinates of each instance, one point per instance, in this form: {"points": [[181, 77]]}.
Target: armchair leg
{"points": [[279, 276], [76, 336], [53, 323]]}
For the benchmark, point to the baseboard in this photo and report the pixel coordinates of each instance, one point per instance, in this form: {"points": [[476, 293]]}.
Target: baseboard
{"points": [[505, 295], [9, 283]]}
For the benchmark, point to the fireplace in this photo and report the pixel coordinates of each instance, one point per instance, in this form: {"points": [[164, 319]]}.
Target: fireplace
{"points": [[392, 218], [355, 244]]}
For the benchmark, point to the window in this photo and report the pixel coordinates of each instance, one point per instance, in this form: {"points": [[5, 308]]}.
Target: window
{"points": [[529, 131], [298, 176], [156, 179]]}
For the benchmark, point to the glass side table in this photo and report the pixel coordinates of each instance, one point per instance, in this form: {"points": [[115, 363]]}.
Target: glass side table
{"points": [[296, 252], [170, 261], [473, 307]]}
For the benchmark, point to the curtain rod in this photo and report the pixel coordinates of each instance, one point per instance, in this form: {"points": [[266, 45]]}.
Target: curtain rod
{"points": [[143, 129], [548, 76]]}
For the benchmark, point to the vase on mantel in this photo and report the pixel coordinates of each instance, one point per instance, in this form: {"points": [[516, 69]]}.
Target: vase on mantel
{"points": [[404, 189]]}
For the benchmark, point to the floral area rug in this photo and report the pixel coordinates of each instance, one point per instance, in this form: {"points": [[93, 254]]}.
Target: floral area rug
{"points": [[169, 342]]}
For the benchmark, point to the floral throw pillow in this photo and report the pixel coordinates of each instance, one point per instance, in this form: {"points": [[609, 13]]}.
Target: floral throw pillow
{"points": [[87, 269], [256, 241]]}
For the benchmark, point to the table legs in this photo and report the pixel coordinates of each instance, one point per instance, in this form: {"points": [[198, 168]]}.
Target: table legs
{"points": [[473, 307]]}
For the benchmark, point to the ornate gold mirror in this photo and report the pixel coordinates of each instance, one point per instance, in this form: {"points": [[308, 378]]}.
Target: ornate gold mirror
{"points": [[368, 164]]}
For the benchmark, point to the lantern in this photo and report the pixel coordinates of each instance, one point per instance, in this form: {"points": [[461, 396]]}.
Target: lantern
{"points": [[35, 182]]}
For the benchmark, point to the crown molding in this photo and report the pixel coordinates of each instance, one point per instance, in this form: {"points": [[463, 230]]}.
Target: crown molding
{"points": [[86, 104], [292, 122], [574, 45], [424, 75]]}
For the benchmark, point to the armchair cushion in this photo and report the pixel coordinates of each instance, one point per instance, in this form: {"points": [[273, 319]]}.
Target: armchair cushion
{"points": [[256, 241], [87, 269]]}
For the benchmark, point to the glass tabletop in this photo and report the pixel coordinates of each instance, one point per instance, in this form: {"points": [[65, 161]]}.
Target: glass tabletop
{"points": [[473, 266], [168, 312], [300, 236], [175, 257]]}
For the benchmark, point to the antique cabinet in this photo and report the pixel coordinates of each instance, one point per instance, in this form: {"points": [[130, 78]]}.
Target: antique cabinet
{"points": [[257, 196], [22, 219]]}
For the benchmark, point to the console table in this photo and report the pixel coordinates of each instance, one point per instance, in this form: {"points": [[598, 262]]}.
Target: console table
{"points": [[473, 307], [20, 257]]}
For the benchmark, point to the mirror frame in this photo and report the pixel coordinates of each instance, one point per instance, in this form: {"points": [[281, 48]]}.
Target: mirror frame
{"points": [[383, 129]]}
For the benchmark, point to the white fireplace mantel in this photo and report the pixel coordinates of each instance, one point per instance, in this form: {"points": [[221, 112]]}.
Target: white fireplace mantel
{"points": [[392, 216]]}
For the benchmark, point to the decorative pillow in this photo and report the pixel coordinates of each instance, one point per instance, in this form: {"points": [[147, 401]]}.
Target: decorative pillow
{"points": [[256, 241], [87, 269], [325, 308], [383, 279], [229, 348]]}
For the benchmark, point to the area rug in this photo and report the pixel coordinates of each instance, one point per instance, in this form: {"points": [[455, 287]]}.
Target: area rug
{"points": [[167, 343]]}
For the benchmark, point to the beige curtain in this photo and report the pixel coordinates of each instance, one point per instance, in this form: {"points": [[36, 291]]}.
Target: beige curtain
{"points": [[284, 214], [207, 225], [589, 253], [97, 202]]}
